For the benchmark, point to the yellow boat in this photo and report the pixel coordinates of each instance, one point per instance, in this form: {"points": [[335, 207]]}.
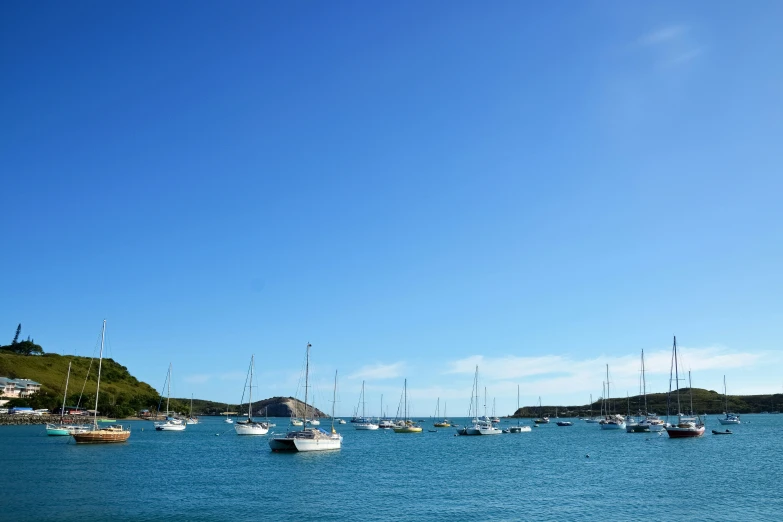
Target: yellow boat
{"points": [[445, 422], [408, 429]]}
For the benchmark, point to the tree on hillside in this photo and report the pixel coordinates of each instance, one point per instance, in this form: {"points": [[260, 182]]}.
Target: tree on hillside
{"points": [[18, 331]]}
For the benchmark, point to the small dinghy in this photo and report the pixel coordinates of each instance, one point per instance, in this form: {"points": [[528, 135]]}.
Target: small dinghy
{"points": [[716, 432]]}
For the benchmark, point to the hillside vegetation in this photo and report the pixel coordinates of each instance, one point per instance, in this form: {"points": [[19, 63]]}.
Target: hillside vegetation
{"points": [[704, 401], [121, 394]]}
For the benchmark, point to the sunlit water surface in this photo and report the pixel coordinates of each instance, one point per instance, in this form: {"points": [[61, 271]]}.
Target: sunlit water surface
{"points": [[210, 473]]}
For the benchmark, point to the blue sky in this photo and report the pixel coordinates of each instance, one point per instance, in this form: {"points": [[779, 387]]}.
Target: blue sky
{"points": [[414, 189]]}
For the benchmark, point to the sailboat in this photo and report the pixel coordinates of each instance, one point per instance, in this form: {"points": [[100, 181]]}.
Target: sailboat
{"points": [[249, 426], [730, 418], [441, 423], [310, 439], [191, 419], [364, 423], [591, 419], [650, 422], [518, 428], [686, 427], [384, 423], [107, 434], [228, 420], [407, 425], [62, 428], [480, 425], [171, 424], [541, 419], [611, 422]]}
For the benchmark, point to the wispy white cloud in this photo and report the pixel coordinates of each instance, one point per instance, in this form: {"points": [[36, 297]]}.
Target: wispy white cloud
{"points": [[379, 371], [671, 45], [559, 374], [684, 57], [232, 376], [198, 378], [663, 34]]}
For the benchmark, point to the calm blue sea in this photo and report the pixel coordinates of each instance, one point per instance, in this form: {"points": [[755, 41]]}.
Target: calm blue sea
{"points": [[542, 475]]}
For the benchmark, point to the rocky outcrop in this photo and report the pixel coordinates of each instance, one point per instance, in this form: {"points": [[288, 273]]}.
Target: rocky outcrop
{"points": [[284, 407]]}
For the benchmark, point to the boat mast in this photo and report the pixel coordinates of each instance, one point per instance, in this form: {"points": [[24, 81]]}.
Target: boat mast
{"points": [[591, 405], [608, 393], [307, 376], [690, 389], [250, 389], [62, 411], [363, 418], [475, 387], [100, 363], [677, 376], [168, 396], [334, 398], [644, 385], [725, 396], [517, 412], [405, 398]]}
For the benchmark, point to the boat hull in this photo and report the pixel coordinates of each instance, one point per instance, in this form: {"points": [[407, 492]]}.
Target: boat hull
{"points": [[170, 427], [519, 429], [408, 429], [104, 436], [366, 427], [727, 422], [676, 432], [612, 425], [304, 441], [250, 429]]}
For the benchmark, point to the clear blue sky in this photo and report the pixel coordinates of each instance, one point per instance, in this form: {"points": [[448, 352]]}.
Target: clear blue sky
{"points": [[414, 188]]}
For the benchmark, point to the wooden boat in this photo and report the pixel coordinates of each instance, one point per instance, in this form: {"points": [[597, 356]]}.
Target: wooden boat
{"points": [[108, 434]]}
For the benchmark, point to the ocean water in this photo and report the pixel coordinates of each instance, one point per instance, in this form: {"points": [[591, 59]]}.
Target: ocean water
{"points": [[209, 473]]}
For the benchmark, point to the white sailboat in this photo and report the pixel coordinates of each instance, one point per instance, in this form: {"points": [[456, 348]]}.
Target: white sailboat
{"points": [[249, 426], [730, 418], [444, 423], [407, 426], [364, 423], [108, 434], [591, 419], [191, 419], [228, 420], [480, 425], [650, 422], [518, 428], [686, 427], [610, 421], [62, 428], [310, 439], [170, 424]]}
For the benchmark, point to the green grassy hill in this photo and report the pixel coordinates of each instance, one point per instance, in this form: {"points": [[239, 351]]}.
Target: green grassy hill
{"points": [[704, 401], [121, 395]]}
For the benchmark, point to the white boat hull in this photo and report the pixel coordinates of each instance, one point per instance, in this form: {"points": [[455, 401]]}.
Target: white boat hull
{"points": [[519, 429], [250, 429], [366, 427], [304, 441], [612, 425], [166, 426], [729, 421]]}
